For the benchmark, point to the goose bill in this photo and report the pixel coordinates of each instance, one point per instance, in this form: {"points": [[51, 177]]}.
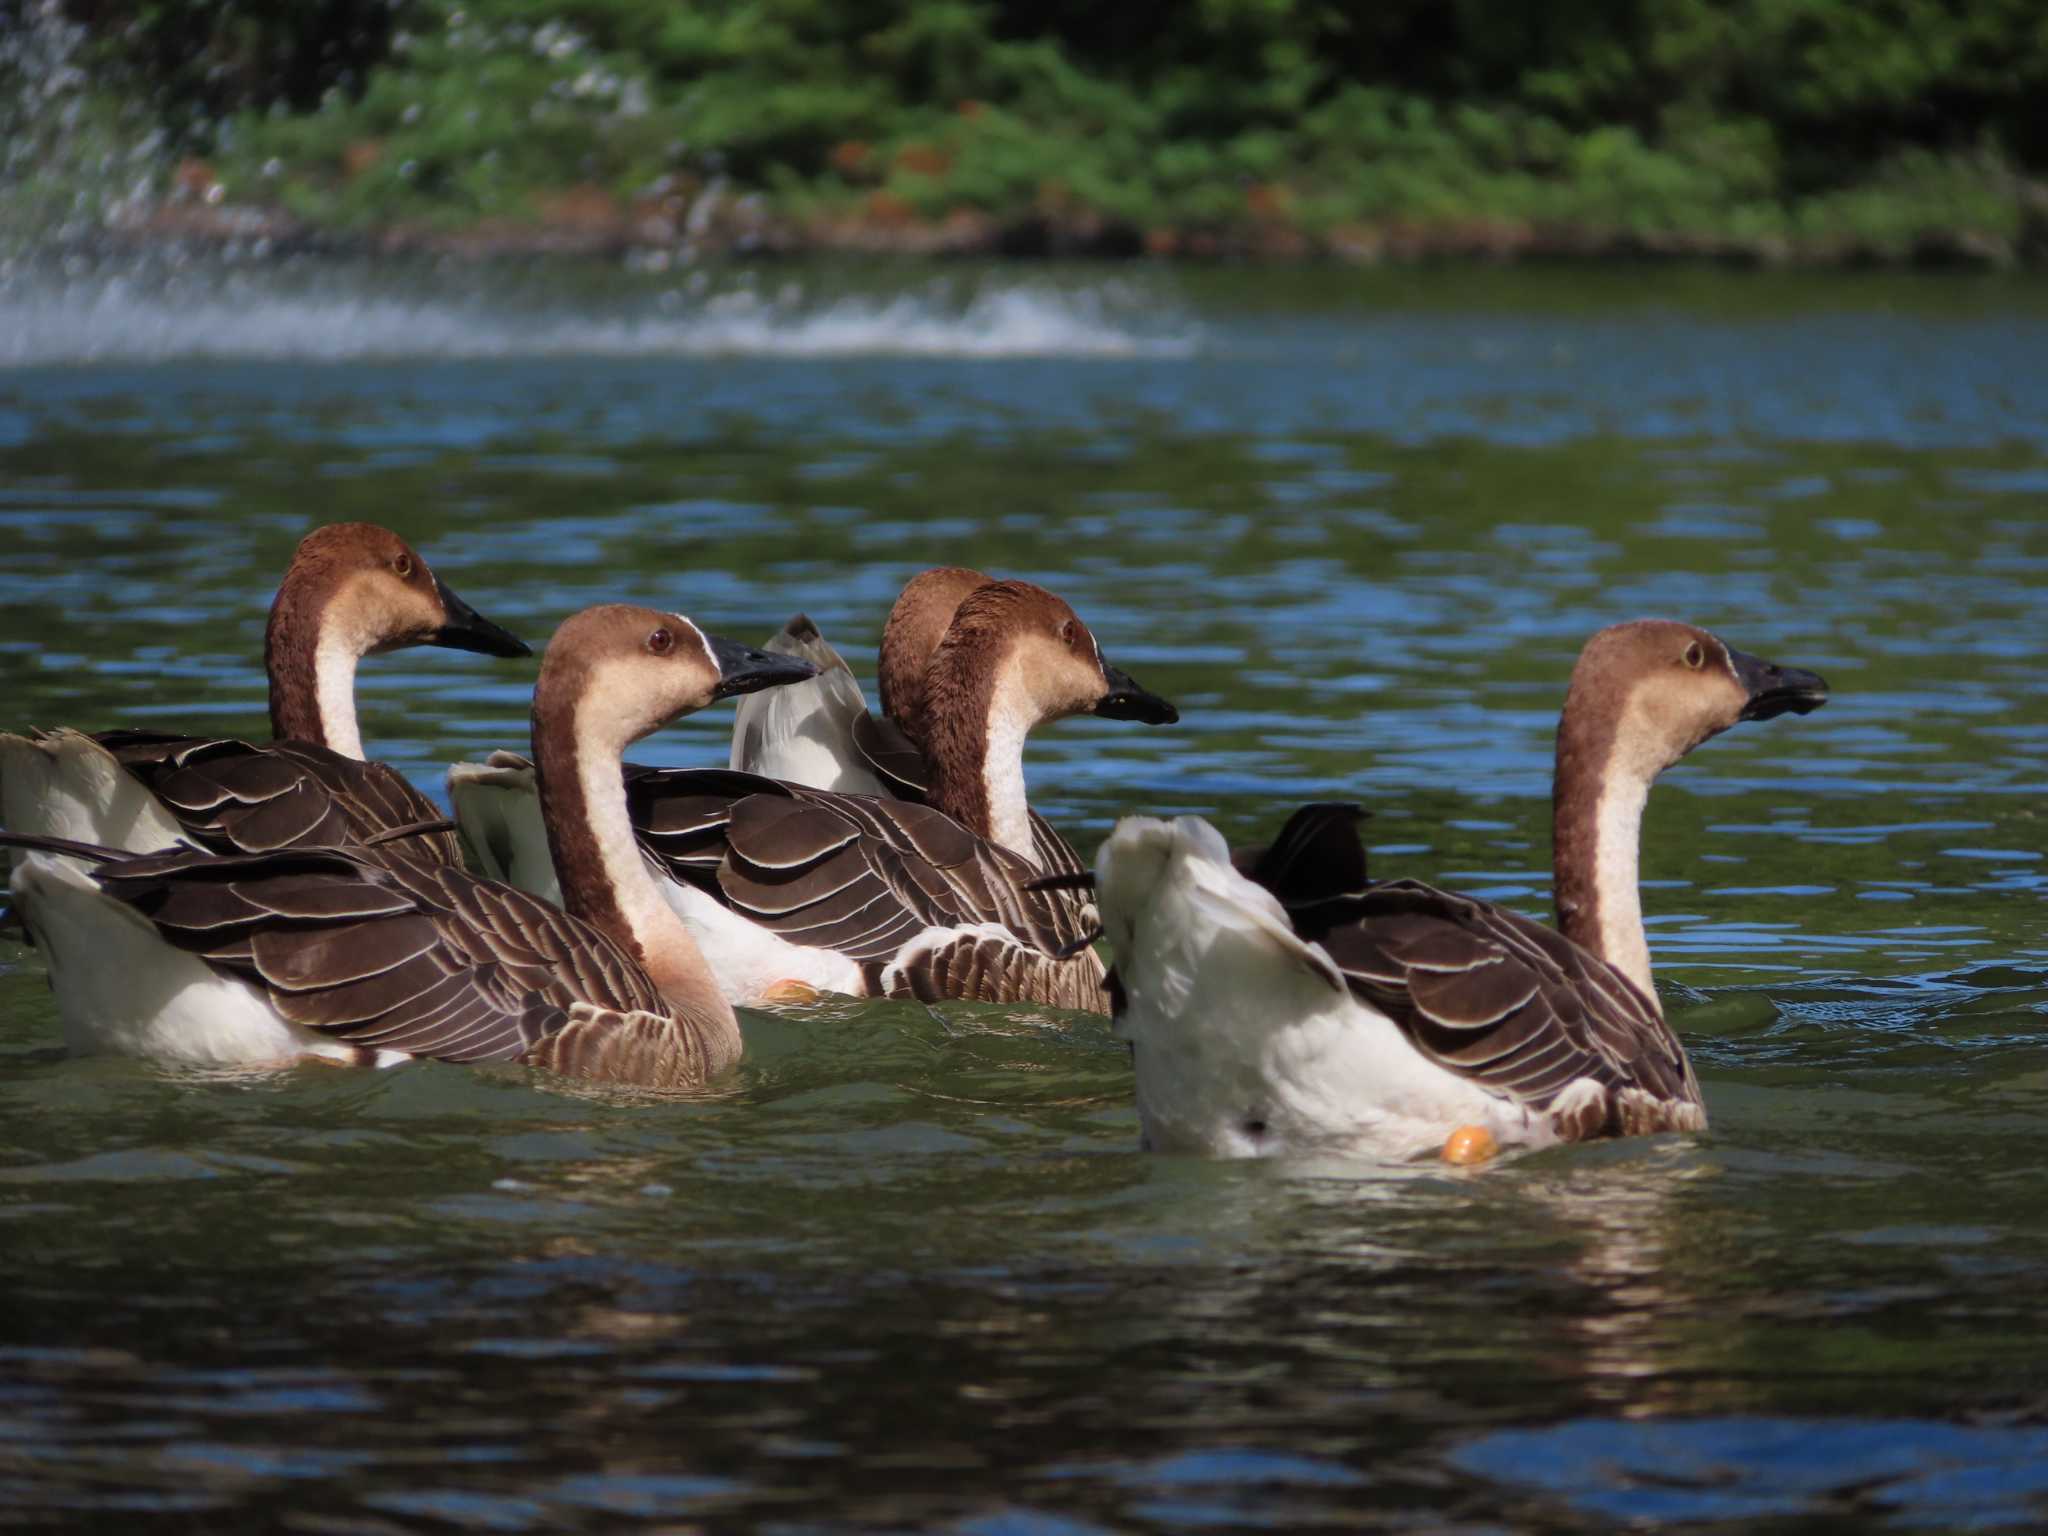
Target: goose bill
{"points": [[468, 630], [1127, 700], [1776, 690], [749, 669]]}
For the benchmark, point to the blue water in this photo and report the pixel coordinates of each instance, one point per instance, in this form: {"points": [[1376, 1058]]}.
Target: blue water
{"points": [[906, 1268]]}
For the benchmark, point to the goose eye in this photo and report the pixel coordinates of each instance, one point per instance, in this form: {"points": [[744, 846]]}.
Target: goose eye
{"points": [[1695, 655], [661, 642], [403, 565]]}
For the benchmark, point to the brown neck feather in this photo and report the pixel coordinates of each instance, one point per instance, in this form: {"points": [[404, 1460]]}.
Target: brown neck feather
{"points": [[1585, 746], [291, 647], [566, 812], [917, 625], [959, 692]]}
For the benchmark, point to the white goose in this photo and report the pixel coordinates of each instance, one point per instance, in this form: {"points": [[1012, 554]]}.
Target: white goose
{"points": [[352, 590], [789, 888], [1285, 1002], [261, 959]]}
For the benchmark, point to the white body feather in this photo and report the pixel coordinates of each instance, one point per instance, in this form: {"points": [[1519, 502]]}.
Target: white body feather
{"points": [[68, 785], [121, 990], [497, 806], [803, 733], [1245, 1039], [748, 959]]}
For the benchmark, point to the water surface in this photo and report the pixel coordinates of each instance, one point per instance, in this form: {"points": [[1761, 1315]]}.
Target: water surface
{"points": [[906, 1268]]}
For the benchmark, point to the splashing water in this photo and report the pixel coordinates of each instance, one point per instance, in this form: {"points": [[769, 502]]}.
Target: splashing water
{"points": [[343, 315]]}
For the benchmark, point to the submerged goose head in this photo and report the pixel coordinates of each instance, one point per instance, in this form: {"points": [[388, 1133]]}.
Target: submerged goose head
{"points": [[356, 590], [1642, 696], [924, 611], [1244, 1038]]}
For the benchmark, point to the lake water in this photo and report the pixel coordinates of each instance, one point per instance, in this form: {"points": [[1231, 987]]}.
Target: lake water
{"points": [[906, 1268]]}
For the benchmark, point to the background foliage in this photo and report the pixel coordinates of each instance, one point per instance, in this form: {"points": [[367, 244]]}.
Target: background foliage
{"points": [[1879, 125]]}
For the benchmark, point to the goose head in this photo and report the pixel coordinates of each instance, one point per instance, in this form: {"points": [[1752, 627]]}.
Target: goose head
{"points": [[924, 611], [621, 672], [1043, 662], [1663, 687], [372, 592]]}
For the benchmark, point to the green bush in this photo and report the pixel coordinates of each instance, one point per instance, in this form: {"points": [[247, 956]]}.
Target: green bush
{"points": [[1870, 121]]}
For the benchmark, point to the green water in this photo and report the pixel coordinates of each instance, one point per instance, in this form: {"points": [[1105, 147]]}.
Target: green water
{"points": [[906, 1268]]}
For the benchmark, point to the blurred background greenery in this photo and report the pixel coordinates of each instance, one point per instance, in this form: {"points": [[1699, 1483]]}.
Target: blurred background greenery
{"points": [[1759, 129]]}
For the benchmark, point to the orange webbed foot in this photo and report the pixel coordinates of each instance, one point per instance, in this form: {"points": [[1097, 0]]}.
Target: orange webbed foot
{"points": [[1469, 1145]]}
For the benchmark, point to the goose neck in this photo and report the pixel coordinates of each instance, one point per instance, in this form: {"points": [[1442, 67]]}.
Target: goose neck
{"points": [[311, 663], [604, 877], [975, 732], [1598, 795]]}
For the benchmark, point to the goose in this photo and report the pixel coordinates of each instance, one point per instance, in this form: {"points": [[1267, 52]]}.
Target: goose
{"points": [[942, 862], [1282, 1001], [824, 735], [352, 590], [787, 886], [263, 958], [819, 734], [805, 734]]}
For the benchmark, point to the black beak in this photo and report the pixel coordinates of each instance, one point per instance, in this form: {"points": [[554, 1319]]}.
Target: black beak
{"points": [[468, 630], [749, 669], [1776, 690], [1127, 701]]}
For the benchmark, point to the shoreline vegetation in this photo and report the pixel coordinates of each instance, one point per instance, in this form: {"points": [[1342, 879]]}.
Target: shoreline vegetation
{"points": [[1769, 132]]}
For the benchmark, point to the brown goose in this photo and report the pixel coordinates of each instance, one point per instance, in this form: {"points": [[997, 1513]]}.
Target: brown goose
{"points": [[352, 590], [822, 735], [884, 897], [256, 959], [818, 733], [926, 893], [1307, 1006]]}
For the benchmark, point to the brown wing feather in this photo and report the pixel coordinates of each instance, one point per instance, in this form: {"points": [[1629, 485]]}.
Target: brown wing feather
{"points": [[246, 797], [1506, 1001], [862, 875], [646, 1049], [409, 956], [1488, 993], [900, 764]]}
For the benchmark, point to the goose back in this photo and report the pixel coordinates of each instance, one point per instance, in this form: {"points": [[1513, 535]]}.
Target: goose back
{"points": [[805, 732], [233, 796], [923, 906], [411, 957]]}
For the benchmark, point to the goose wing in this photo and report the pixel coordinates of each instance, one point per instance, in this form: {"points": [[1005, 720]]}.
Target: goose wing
{"points": [[243, 797], [866, 876], [1512, 1004], [892, 756], [407, 956], [900, 764]]}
